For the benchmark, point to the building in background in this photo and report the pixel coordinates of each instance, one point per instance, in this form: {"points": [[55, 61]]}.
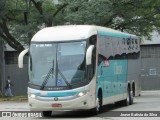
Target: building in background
{"points": [[150, 67], [19, 77], [150, 63]]}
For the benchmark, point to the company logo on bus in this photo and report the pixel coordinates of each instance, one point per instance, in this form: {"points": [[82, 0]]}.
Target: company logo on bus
{"points": [[56, 98], [56, 88]]}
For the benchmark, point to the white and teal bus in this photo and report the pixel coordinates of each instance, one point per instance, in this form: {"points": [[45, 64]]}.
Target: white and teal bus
{"points": [[81, 67]]}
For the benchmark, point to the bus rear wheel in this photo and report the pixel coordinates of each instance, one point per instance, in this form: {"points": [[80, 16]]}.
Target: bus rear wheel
{"points": [[129, 99]]}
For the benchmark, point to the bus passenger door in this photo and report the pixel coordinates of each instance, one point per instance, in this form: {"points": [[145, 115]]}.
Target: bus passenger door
{"points": [[105, 79]]}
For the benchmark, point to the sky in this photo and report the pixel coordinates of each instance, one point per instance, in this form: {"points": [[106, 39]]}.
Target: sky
{"points": [[155, 39]]}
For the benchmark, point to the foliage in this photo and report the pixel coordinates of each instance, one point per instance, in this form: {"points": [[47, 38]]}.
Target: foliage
{"points": [[138, 17], [21, 19]]}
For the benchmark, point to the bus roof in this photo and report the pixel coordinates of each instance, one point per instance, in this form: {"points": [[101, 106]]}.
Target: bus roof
{"points": [[74, 32]]}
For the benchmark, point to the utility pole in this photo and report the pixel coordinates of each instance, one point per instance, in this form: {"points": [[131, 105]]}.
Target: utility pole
{"points": [[1, 67]]}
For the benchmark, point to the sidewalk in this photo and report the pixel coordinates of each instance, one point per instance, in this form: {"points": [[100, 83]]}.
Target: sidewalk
{"points": [[14, 98], [150, 91]]}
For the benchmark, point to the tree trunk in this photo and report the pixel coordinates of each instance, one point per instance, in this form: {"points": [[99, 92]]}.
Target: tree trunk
{"points": [[8, 38]]}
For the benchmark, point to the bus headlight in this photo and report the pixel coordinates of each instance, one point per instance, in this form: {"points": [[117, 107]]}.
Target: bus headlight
{"points": [[80, 94], [33, 96]]}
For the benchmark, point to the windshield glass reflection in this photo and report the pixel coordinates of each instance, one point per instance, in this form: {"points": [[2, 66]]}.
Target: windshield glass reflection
{"points": [[57, 64]]}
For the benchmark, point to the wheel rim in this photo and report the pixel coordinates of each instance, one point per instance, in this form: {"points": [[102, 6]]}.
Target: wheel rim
{"points": [[132, 97], [97, 104], [128, 97], [132, 94]]}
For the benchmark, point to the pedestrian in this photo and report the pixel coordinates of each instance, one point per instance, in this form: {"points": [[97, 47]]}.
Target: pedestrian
{"points": [[8, 92]]}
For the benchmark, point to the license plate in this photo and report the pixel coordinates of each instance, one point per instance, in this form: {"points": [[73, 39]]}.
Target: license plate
{"points": [[56, 105]]}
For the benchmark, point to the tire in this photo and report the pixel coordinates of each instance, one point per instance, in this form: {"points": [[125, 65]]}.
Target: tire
{"points": [[131, 97], [126, 102], [133, 90], [47, 113], [98, 107]]}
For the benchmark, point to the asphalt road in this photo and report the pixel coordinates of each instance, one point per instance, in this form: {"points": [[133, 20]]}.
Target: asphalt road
{"points": [[147, 104]]}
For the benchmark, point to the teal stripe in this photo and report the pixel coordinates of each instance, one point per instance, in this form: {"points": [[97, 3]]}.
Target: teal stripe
{"points": [[121, 35], [57, 94]]}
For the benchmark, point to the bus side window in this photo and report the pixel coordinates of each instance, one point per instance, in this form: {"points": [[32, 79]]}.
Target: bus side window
{"points": [[129, 44]]}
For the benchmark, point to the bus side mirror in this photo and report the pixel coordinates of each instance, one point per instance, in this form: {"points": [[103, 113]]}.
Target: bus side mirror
{"points": [[20, 58], [89, 55]]}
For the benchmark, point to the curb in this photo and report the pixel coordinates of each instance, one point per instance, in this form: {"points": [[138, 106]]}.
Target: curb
{"points": [[13, 99]]}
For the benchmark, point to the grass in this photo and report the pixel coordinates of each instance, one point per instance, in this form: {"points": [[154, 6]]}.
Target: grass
{"points": [[14, 98]]}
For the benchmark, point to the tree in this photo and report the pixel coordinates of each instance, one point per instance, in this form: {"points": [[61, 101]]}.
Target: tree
{"points": [[138, 17], [21, 19], [8, 13]]}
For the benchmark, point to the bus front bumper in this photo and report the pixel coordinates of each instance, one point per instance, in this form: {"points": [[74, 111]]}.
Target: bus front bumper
{"points": [[50, 104]]}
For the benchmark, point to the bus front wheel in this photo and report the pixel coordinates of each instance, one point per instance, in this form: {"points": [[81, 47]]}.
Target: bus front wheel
{"points": [[98, 107], [47, 113]]}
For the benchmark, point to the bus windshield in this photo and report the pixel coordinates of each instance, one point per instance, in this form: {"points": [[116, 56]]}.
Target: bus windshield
{"points": [[57, 64]]}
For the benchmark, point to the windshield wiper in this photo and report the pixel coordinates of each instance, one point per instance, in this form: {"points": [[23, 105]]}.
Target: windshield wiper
{"points": [[51, 71], [65, 80]]}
